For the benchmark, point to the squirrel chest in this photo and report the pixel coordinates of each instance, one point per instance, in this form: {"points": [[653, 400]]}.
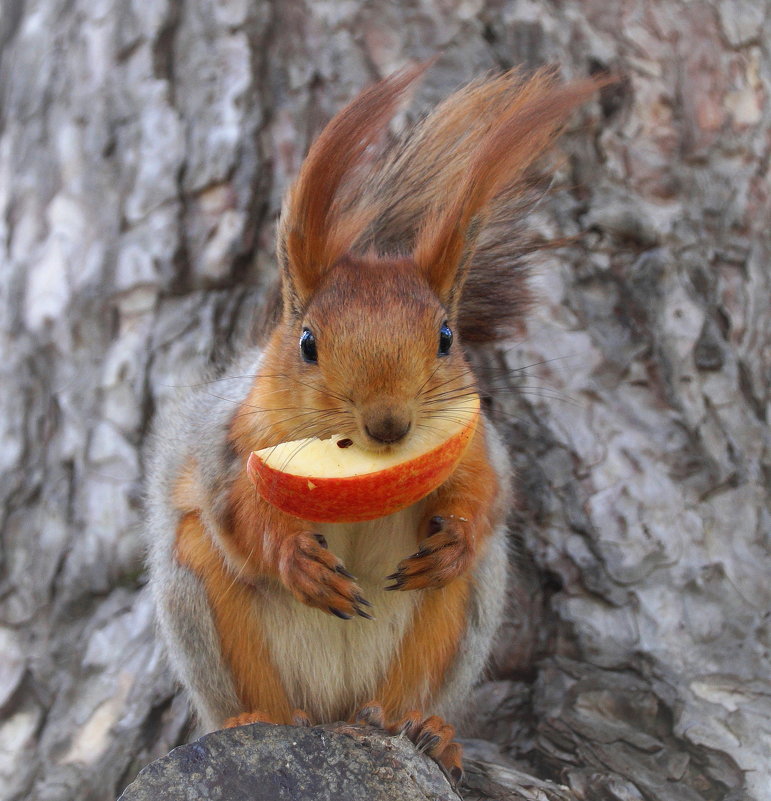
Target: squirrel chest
{"points": [[328, 668]]}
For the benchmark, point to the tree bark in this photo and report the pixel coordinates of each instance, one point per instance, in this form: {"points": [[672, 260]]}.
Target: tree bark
{"points": [[144, 149]]}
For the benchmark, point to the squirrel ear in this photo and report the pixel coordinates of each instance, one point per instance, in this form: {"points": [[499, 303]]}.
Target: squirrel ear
{"points": [[447, 239], [319, 221]]}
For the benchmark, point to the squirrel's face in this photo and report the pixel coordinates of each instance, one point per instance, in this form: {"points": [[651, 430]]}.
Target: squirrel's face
{"points": [[375, 353]]}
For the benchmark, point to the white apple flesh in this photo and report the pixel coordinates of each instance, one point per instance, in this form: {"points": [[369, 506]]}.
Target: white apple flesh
{"points": [[333, 481]]}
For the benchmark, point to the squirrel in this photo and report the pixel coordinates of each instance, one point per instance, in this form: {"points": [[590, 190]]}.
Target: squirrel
{"points": [[397, 259]]}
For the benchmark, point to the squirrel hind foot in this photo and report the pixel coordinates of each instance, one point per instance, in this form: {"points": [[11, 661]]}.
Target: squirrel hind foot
{"points": [[431, 736], [245, 718], [299, 718]]}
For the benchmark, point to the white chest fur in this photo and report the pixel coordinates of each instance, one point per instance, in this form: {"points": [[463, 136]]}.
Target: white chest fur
{"points": [[330, 666]]}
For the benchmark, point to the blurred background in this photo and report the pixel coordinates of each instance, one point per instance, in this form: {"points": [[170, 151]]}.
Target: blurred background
{"points": [[144, 150]]}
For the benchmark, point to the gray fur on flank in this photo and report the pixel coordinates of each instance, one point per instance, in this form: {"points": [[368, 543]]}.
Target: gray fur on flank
{"points": [[185, 430], [487, 599]]}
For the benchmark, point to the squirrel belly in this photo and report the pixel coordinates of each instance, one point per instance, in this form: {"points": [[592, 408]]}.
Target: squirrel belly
{"points": [[330, 667]]}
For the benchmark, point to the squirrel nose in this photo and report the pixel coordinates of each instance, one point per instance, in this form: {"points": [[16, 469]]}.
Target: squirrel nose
{"points": [[388, 427]]}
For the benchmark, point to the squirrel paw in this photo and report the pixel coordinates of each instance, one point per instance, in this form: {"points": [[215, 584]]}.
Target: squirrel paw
{"points": [[316, 577], [443, 555], [299, 718], [245, 718], [432, 736]]}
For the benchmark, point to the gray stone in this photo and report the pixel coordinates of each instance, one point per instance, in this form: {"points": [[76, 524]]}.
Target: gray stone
{"points": [[263, 762]]}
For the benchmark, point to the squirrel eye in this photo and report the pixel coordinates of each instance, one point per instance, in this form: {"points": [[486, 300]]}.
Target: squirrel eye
{"points": [[308, 346], [445, 339]]}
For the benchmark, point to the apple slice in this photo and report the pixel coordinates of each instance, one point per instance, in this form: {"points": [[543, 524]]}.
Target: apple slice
{"points": [[336, 481]]}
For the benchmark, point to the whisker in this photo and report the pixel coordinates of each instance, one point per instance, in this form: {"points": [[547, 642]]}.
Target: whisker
{"points": [[536, 391], [543, 361], [458, 419], [449, 398], [546, 395], [321, 424], [313, 428], [241, 570], [433, 373], [272, 424], [464, 380], [456, 392], [209, 381], [294, 454], [464, 374]]}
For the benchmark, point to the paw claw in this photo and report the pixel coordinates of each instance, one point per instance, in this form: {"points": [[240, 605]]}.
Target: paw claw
{"points": [[427, 741], [299, 718], [433, 737], [435, 525], [371, 714], [408, 727], [316, 577]]}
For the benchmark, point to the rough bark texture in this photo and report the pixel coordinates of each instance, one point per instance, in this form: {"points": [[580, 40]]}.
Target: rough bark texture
{"points": [[144, 148]]}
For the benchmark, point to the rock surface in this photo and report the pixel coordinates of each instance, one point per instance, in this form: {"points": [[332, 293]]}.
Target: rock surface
{"points": [[262, 762], [335, 762]]}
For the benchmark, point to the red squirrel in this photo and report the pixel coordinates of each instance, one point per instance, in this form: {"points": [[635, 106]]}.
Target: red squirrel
{"points": [[395, 255]]}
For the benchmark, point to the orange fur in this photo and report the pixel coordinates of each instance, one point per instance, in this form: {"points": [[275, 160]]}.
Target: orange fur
{"points": [[246, 718], [265, 542], [186, 495], [520, 134], [428, 648], [431, 735], [234, 604], [319, 227], [430, 645]]}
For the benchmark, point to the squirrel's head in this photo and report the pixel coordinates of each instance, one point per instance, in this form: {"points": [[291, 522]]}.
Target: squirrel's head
{"points": [[368, 344], [375, 343]]}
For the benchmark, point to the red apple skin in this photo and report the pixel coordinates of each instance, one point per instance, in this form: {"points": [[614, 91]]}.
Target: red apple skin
{"points": [[365, 497]]}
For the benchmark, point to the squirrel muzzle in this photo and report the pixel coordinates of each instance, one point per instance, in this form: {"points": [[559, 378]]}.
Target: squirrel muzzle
{"points": [[386, 422]]}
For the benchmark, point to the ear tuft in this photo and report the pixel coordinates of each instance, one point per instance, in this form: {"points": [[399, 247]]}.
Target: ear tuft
{"points": [[526, 123], [318, 222]]}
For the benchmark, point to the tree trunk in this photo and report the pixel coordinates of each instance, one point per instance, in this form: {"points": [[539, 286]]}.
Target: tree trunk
{"points": [[144, 149]]}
